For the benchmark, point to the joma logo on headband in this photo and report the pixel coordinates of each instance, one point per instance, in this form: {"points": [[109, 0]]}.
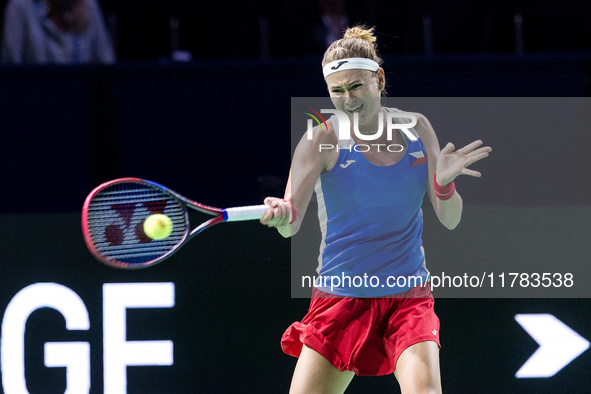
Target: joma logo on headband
{"points": [[339, 65], [344, 125]]}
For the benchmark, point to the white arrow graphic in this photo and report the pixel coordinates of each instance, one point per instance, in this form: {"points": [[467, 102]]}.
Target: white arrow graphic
{"points": [[559, 345]]}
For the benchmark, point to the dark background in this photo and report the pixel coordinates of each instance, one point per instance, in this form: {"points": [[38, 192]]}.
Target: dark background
{"points": [[231, 29], [217, 130]]}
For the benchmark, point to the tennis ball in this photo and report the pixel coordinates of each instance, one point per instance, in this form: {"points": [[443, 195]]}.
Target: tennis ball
{"points": [[158, 226]]}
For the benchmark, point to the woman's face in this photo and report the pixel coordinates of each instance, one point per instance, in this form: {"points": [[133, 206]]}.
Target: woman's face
{"points": [[358, 91]]}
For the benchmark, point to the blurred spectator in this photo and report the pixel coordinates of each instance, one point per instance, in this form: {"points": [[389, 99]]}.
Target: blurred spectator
{"points": [[55, 31]]}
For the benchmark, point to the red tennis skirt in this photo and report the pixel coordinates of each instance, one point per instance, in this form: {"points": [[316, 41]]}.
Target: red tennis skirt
{"points": [[364, 335]]}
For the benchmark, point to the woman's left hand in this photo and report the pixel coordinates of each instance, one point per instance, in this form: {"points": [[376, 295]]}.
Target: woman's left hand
{"points": [[452, 163]]}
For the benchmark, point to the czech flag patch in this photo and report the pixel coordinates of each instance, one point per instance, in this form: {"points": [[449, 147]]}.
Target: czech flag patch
{"points": [[417, 158]]}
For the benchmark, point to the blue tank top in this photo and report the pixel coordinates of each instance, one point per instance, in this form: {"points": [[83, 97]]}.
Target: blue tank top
{"points": [[371, 223]]}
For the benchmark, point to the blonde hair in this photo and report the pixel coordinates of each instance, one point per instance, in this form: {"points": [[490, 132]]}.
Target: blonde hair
{"points": [[358, 41]]}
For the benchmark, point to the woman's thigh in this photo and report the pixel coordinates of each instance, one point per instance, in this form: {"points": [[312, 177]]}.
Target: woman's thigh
{"points": [[417, 369], [315, 374]]}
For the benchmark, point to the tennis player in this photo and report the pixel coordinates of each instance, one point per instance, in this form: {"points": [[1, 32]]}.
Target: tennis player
{"points": [[369, 200]]}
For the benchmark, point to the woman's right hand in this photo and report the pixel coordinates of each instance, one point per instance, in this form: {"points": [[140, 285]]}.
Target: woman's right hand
{"points": [[279, 215]]}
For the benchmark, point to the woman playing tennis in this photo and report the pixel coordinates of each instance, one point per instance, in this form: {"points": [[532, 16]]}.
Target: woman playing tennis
{"points": [[369, 200]]}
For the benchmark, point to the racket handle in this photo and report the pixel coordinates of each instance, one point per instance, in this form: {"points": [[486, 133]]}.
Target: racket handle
{"points": [[252, 212]]}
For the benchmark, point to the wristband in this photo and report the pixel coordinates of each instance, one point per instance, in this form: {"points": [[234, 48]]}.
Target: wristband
{"points": [[294, 214], [443, 192]]}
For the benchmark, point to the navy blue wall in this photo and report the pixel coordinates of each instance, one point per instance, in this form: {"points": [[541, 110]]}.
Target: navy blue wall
{"points": [[189, 125]]}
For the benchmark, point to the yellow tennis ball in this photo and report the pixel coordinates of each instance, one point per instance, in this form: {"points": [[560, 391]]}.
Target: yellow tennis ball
{"points": [[158, 226]]}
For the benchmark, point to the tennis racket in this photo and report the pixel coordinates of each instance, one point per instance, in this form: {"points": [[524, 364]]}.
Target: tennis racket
{"points": [[113, 221]]}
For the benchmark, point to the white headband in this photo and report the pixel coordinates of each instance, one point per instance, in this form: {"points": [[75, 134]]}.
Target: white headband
{"points": [[352, 63]]}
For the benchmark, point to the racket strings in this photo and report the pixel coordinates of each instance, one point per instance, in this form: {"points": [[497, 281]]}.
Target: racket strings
{"points": [[116, 216]]}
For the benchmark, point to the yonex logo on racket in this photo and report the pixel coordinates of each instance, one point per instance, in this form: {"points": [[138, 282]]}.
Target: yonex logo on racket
{"points": [[116, 232]]}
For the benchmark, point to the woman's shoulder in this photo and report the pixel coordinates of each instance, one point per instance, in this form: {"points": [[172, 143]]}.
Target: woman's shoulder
{"points": [[324, 133], [319, 145]]}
